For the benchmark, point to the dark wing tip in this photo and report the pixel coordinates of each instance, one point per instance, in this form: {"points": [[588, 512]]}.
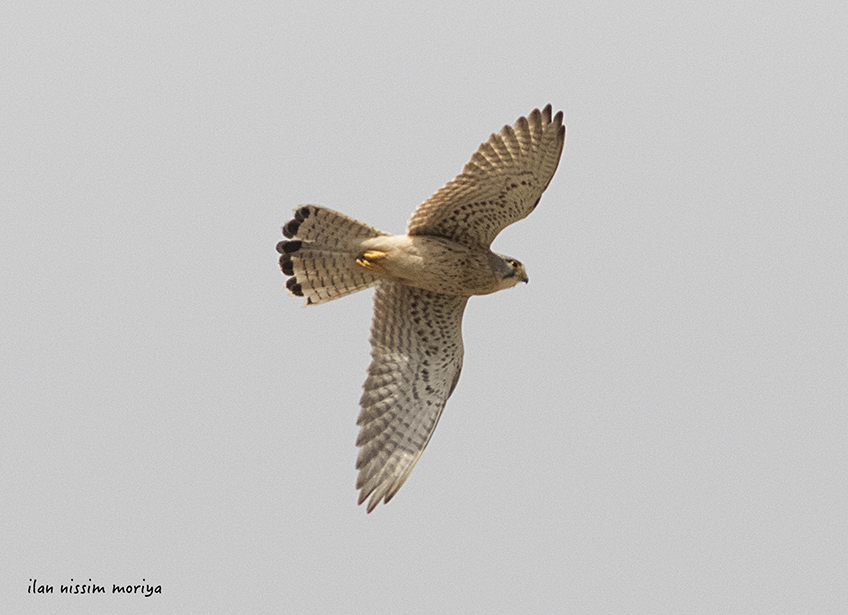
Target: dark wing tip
{"points": [[286, 264], [294, 287], [302, 213], [290, 228], [287, 247]]}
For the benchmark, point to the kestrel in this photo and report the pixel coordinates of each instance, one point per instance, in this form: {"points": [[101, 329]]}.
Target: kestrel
{"points": [[424, 279]]}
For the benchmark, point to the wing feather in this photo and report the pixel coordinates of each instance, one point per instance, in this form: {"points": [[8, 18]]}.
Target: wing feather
{"points": [[416, 350], [501, 184]]}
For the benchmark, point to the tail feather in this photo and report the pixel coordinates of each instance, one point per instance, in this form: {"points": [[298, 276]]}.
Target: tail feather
{"points": [[321, 254]]}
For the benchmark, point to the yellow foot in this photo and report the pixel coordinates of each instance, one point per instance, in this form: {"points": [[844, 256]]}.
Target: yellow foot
{"points": [[368, 261]]}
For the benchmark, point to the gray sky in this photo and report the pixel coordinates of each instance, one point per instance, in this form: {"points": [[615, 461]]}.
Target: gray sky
{"points": [[655, 424]]}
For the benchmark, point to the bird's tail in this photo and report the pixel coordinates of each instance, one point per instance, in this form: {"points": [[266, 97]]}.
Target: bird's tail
{"points": [[320, 254]]}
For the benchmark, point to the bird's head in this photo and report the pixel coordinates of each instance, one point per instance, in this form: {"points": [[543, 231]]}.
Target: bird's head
{"points": [[508, 271]]}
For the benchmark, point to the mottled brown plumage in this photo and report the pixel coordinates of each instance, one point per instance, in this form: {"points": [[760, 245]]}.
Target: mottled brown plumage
{"points": [[424, 279]]}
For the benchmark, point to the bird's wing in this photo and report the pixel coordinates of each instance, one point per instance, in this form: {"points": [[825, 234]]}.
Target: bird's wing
{"points": [[501, 184], [416, 350]]}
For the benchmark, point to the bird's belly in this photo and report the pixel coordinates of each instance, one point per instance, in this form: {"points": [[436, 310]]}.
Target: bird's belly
{"points": [[433, 263]]}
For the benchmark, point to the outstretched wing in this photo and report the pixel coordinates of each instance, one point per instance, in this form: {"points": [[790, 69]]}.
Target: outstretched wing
{"points": [[416, 350], [501, 184]]}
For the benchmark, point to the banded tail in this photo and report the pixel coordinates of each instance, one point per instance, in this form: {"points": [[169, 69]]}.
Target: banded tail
{"points": [[321, 254]]}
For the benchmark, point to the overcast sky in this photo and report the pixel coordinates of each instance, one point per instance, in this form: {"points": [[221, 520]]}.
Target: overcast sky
{"points": [[656, 423]]}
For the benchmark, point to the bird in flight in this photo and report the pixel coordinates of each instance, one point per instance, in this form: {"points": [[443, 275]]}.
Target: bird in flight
{"points": [[424, 278]]}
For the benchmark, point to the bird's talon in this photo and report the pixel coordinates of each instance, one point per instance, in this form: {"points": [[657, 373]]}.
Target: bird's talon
{"points": [[366, 261]]}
